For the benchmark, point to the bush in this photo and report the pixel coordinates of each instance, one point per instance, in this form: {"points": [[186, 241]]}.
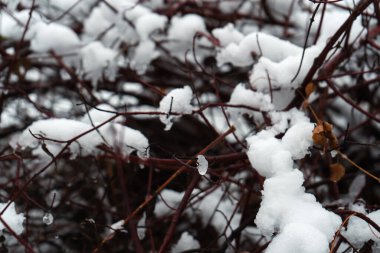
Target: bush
{"points": [[197, 126]]}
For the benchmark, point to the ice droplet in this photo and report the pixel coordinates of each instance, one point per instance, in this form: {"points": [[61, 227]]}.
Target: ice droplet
{"points": [[202, 165], [48, 218]]}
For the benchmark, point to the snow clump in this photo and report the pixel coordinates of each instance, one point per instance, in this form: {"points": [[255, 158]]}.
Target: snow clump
{"points": [[54, 37], [13, 219], [367, 232], [124, 139], [177, 101], [98, 60], [286, 208], [185, 242]]}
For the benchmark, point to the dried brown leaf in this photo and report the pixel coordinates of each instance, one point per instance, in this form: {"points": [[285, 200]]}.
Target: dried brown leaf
{"points": [[337, 171]]}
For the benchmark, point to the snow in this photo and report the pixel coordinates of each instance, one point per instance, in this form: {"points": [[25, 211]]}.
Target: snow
{"points": [[13, 219], [126, 139], [185, 242], [244, 96], [130, 35], [176, 101], [131, 9], [356, 187], [281, 73], [101, 113], [227, 35], [282, 120], [286, 208], [10, 27], [141, 227], [96, 23], [144, 54], [262, 149], [184, 28], [203, 206], [299, 237], [202, 165], [148, 23], [136, 23], [298, 139], [63, 4], [60, 130], [122, 138], [167, 202], [97, 61], [292, 205], [119, 225], [56, 8], [275, 62], [257, 43], [332, 21], [180, 35], [217, 209], [54, 37], [367, 232]]}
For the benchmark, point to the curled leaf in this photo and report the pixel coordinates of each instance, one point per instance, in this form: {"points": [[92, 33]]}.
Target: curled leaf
{"points": [[324, 137], [337, 171]]}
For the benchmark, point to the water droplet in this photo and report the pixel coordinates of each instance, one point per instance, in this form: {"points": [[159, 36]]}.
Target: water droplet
{"points": [[48, 218]]}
